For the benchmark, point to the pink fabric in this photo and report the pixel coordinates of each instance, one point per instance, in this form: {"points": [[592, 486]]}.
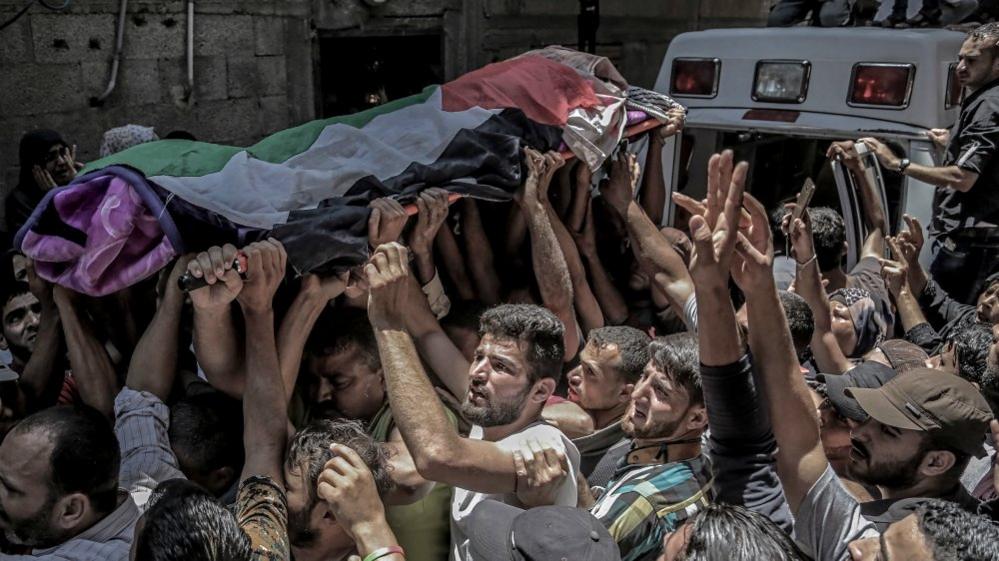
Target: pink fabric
{"points": [[124, 242]]}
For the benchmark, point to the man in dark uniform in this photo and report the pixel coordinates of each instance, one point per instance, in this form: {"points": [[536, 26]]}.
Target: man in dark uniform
{"points": [[966, 207]]}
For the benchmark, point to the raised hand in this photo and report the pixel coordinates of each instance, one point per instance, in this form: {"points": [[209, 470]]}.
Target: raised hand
{"points": [[541, 469], [530, 192], [325, 288], [715, 233], [800, 234], [887, 158], [752, 266], [619, 191], [348, 487], [673, 126], [387, 220], [911, 240], [553, 162], [433, 209], [388, 274], [216, 266], [845, 151], [265, 267], [43, 178]]}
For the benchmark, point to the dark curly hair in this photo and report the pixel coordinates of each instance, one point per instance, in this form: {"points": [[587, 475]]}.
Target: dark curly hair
{"points": [[310, 450], [734, 533], [957, 535], [536, 326], [677, 356], [828, 235]]}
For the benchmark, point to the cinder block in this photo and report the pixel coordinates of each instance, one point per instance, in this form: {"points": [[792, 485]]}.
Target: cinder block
{"points": [[15, 42], [242, 77], [60, 38], [223, 35], [272, 75], [156, 35], [268, 35], [274, 110], [229, 119], [209, 77], [31, 89], [138, 82]]}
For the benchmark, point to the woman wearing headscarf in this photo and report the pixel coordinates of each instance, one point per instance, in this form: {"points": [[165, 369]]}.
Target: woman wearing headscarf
{"points": [[860, 321], [122, 138], [46, 161]]}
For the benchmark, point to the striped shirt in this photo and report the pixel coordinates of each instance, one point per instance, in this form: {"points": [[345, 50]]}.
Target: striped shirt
{"points": [[644, 502]]}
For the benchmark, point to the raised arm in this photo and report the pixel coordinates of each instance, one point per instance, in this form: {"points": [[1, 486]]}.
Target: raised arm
{"points": [[153, 367], [654, 253], [549, 264], [808, 283], [313, 297], [439, 452], [615, 309], [265, 407], [454, 263], [481, 263], [870, 201], [954, 177], [89, 361], [217, 344], [43, 375]]}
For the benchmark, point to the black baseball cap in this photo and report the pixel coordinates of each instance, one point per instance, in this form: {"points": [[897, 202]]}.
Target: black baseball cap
{"points": [[500, 532], [867, 374]]}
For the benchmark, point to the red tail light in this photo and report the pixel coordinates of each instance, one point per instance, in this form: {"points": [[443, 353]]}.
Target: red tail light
{"points": [[695, 77], [955, 91], [881, 84]]}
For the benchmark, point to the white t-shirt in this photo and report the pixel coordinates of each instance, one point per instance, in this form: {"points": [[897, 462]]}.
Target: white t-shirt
{"points": [[829, 519], [463, 500]]}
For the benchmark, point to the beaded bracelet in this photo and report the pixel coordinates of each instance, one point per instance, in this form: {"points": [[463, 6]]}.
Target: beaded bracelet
{"points": [[384, 552]]}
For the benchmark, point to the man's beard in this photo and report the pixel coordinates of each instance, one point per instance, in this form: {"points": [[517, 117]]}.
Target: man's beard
{"points": [[495, 413], [661, 429], [34, 531], [895, 474]]}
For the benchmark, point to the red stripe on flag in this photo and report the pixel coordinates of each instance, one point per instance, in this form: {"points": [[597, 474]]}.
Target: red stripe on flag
{"points": [[544, 90]]}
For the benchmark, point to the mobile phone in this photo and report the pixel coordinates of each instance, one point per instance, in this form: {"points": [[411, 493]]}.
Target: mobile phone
{"points": [[804, 197]]}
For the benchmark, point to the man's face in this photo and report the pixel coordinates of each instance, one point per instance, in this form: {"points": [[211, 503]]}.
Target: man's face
{"points": [[21, 315], [976, 64], [59, 164], [902, 540], [659, 406], [26, 504], [885, 455], [842, 327], [498, 382], [596, 384], [988, 305], [835, 433], [348, 381], [314, 534]]}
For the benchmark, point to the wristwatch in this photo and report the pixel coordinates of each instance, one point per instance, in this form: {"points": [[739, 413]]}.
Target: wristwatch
{"points": [[903, 164]]}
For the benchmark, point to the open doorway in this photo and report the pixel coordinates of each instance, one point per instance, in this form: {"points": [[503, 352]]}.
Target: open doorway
{"points": [[357, 73]]}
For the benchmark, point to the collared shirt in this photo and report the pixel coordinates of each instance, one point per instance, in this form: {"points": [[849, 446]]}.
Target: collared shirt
{"points": [[973, 148], [142, 422], [644, 502], [110, 539]]}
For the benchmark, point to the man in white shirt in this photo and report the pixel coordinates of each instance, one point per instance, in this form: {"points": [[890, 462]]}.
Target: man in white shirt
{"points": [[514, 371]]}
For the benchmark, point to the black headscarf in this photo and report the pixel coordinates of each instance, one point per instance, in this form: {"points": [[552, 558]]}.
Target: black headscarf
{"points": [[19, 205]]}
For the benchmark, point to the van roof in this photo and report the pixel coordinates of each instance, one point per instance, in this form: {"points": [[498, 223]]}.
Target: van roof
{"points": [[832, 52]]}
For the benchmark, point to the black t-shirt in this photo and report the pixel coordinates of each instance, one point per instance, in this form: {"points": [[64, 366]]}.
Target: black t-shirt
{"points": [[973, 147]]}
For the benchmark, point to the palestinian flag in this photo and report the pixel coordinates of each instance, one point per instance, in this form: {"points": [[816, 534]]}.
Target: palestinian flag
{"points": [[308, 186]]}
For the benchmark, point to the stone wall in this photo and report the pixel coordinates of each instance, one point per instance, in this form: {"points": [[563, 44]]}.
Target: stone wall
{"points": [[255, 65]]}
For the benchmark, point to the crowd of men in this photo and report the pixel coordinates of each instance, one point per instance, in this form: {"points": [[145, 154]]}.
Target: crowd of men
{"points": [[556, 377], [902, 14]]}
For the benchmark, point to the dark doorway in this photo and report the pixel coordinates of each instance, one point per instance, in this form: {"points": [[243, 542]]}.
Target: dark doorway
{"points": [[357, 73]]}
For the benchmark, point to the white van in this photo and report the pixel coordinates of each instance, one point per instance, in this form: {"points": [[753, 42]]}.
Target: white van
{"points": [[778, 97]]}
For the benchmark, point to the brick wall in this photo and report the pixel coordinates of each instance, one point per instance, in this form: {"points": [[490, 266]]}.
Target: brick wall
{"points": [[254, 67]]}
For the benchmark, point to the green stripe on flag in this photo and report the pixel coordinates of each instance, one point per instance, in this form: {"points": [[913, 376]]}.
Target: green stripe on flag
{"points": [[188, 158]]}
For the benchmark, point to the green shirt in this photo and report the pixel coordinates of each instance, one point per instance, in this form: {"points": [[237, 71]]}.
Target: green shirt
{"points": [[422, 528]]}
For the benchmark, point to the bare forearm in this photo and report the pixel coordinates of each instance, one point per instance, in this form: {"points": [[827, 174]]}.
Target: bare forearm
{"points": [[551, 272], [265, 409], [481, 264], [89, 361], [217, 349], [653, 194], [874, 213], [586, 305], [374, 536], [614, 308], [43, 375], [293, 335], [947, 176], [154, 363], [909, 310], [828, 355], [454, 264], [656, 255]]}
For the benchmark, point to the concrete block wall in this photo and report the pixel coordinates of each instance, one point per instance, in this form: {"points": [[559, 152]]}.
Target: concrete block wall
{"points": [[253, 71]]}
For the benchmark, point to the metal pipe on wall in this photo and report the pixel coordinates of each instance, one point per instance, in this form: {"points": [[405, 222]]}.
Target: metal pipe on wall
{"points": [[98, 101], [189, 93]]}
